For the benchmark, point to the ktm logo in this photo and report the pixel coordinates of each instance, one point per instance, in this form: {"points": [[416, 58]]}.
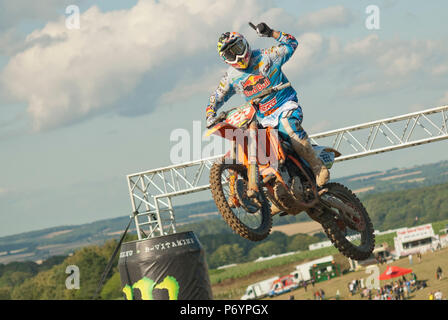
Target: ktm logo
{"points": [[265, 108], [255, 84]]}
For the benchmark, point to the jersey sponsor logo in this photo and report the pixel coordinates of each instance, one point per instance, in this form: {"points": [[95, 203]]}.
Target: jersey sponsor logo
{"points": [[264, 107], [210, 111], [270, 50], [259, 65], [272, 73], [255, 84], [266, 68]]}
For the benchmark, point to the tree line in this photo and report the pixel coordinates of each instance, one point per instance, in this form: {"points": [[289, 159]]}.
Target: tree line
{"points": [[408, 208], [28, 280]]}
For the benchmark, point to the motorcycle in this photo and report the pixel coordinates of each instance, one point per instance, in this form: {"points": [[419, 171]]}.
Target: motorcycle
{"points": [[249, 188]]}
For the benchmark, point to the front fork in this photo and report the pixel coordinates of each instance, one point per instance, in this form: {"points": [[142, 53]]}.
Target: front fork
{"points": [[252, 167]]}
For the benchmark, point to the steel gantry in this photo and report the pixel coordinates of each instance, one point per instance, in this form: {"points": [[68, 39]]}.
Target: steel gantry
{"points": [[151, 191]]}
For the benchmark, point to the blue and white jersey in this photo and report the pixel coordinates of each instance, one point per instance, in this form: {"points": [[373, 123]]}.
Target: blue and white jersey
{"points": [[263, 71]]}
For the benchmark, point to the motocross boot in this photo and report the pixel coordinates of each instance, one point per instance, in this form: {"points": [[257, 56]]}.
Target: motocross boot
{"points": [[303, 148], [274, 209]]}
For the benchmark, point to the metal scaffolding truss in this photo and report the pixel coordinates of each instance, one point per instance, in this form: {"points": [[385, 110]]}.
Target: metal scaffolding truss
{"points": [[151, 191], [379, 136]]}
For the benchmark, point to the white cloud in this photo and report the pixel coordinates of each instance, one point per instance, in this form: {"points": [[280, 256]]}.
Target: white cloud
{"points": [[363, 61], [205, 83], [279, 19], [307, 53], [395, 57], [336, 16], [161, 49], [400, 61], [330, 17], [363, 46], [15, 12], [364, 66], [67, 75]]}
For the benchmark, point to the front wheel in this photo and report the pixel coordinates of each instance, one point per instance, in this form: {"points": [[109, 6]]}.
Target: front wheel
{"points": [[347, 223], [250, 218]]}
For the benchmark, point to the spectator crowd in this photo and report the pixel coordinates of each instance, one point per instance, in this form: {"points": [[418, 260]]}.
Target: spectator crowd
{"points": [[400, 289]]}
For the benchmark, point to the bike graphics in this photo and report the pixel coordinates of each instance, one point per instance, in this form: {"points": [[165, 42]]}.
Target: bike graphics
{"points": [[262, 176]]}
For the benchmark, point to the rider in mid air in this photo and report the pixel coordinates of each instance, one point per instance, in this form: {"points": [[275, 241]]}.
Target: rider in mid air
{"points": [[252, 71]]}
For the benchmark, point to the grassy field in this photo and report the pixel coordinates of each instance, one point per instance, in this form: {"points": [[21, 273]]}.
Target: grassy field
{"points": [[437, 226], [245, 269], [231, 283], [425, 270]]}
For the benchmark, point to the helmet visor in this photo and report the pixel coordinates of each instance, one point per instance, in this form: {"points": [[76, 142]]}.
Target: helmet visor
{"points": [[232, 51]]}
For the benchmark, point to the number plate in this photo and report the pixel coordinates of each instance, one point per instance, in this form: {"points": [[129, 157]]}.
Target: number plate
{"points": [[240, 116]]}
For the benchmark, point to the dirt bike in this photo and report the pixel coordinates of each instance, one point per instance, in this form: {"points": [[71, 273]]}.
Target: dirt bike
{"points": [[245, 185]]}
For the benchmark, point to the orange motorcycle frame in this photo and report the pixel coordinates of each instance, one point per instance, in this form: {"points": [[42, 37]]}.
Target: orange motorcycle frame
{"points": [[242, 142], [241, 128]]}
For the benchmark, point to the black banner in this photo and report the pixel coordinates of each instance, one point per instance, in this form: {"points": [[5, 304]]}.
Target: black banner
{"points": [[171, 267]]}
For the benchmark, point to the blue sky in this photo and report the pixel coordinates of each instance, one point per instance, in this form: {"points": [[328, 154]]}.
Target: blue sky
{"points": [[81, 109]]}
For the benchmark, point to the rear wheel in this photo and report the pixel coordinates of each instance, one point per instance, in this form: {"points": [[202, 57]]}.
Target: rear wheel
{"points": [[250, 218], [351, 231]]}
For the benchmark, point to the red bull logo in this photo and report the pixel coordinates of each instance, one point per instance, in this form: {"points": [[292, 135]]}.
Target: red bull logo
{"points": [[255, 84]]}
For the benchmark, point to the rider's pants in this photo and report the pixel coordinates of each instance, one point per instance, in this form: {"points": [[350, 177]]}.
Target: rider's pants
{"points": [[294, 118]]}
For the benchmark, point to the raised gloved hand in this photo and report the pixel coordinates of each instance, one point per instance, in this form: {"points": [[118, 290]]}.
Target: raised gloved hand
{"points": [[263, 30]]}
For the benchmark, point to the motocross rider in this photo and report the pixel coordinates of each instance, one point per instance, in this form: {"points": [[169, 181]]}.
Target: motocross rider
{"points": [[252, 71]]}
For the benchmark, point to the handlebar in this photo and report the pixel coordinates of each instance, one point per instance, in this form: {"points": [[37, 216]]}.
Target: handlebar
{"points": [[270, 90], [221, 117], [256, 100], [253, 26]]}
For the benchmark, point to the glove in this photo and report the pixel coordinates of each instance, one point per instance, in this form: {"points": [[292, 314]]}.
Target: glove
{"points": [[211, 116], [263, 30], [210, 122]]}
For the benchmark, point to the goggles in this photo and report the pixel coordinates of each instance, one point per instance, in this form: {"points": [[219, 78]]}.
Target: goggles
{"points": [[234, 51]]}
